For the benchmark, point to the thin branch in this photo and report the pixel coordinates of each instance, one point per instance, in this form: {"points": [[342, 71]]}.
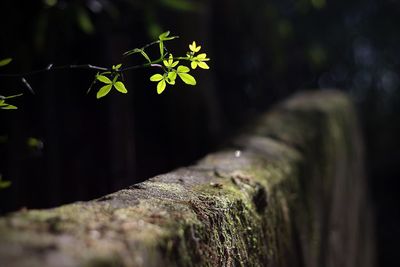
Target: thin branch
{"points": [[51, 68], [86, 67]]}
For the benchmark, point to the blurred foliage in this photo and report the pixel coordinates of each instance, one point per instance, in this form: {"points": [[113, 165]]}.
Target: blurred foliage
{"points": [[3, 183]]}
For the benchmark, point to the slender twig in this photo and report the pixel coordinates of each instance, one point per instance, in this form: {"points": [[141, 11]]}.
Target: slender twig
{"points": [[86, 67], [83, 66], [51, 68]]}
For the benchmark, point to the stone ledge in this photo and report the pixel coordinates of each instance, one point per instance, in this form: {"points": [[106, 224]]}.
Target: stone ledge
{"points": [[290, 191]]}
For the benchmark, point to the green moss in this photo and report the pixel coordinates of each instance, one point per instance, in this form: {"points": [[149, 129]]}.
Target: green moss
{"points": [[231, 209]]}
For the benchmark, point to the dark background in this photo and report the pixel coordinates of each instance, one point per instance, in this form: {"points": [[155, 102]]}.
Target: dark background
{"points": [[261, 52]]}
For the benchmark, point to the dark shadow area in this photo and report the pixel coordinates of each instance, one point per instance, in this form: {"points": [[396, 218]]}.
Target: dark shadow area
{"points": [[63, 145]]}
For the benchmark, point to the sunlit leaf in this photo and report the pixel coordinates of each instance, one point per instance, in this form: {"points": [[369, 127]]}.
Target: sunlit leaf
{"points": [[168, 62], [187, 78], [164, 35], [104, 90], [183, 69], [156, 77], [8, 106], [174, 64], [117, 67], [103, 79], [194, 48], [5, 61], [120, 87], [202, 57], [171, 77], [203, 65], [161, 86]]}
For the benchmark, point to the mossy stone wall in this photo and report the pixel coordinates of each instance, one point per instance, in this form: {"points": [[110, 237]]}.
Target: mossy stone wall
{"points": [[289, 191]]}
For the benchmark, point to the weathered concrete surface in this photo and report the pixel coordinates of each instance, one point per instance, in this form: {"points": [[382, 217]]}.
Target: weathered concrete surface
{"points": [[289, 192]]}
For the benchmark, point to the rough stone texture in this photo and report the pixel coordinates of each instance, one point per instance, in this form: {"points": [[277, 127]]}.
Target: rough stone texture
{"points": [[290, 191]]}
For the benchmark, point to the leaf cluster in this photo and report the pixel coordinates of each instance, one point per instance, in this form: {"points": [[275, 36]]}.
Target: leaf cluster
{"points": [[3, 103], [170, 66], [114, 82], [172, 69]]}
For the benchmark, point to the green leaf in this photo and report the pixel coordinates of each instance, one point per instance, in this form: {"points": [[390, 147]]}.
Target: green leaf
{"points": [[161, 86], [5, 61], [4, 105], [7, 106], [183, 69], [120, 87], [116, 67], [103, 79], [156, 77], [203, 65], [164, 35], [202, 57], [173, 65], [171, 77], [187, 78], [104, 90]]}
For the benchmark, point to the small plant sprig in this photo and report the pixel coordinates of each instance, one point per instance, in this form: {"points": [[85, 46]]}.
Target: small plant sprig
{"points": [[171, 69], [166, 62], [113, 77], [109, 84]]}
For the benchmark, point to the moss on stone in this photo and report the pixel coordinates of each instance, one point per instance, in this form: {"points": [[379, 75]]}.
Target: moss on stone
{"points": [[263, 206]]}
